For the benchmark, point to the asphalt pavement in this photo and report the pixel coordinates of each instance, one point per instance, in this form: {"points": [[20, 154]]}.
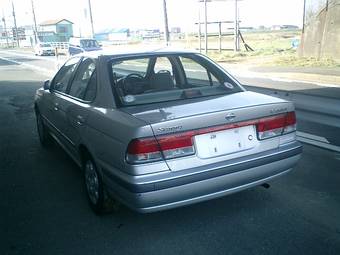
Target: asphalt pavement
{"points": [[44, 208]]}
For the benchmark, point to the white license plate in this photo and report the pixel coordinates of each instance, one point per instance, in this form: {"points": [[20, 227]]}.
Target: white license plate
{"points": [[225, 142]]}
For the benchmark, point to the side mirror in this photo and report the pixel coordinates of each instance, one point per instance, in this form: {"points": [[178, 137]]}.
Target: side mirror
{"points": [[46, 85]]}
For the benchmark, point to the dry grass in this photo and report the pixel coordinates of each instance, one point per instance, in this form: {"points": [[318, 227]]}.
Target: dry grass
{"points": [[271, 48]]}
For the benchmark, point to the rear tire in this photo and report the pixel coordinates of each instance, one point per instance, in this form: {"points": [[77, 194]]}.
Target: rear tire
{"points": [[44, 136], [99, 200]]}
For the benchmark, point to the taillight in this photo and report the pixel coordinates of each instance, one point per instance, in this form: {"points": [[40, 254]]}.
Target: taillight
{"points": [[177, 145], [277, 125], [143, 150], [168, 146], [290, 123]]}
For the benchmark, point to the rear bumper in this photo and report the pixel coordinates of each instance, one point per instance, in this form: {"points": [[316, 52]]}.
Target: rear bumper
{"points": [[188, 189]]}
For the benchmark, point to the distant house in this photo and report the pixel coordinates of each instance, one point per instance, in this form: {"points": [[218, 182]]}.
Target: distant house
{"points": [[284, 27], [121, 34], [26, 36], [247, 28], [150, 33], [175, 30], [57, 30]]}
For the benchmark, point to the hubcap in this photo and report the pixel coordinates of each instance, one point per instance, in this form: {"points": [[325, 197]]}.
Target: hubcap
{"points": [[92, 183]]}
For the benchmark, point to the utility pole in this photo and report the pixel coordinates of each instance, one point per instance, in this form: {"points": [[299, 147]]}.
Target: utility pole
{"points": [[304, 16], [236, 36], [91, 19], [199, 26], [5, 28], [166, 27], [205, 27], [15, 25], [35, 24]]}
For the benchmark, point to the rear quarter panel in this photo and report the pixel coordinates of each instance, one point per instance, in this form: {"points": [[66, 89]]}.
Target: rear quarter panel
{"points": [[108, 134]]}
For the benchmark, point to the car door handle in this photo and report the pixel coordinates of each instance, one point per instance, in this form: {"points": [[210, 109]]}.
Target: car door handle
{"points": [[80, 120]]}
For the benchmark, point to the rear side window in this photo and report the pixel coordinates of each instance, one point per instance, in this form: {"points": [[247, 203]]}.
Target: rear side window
{"points": [[137, 66], [91, 89], [63, 77], [196, 74], [163, 64], [82, 78]]}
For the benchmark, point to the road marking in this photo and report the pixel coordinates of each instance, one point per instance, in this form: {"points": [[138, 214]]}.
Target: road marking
{"points": [[315, 140], [250, 74], [28, 56], [327, 85], [319, 144], [44, 71], [312, 137]]}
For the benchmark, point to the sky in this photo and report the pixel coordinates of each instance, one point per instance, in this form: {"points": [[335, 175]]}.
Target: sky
{"points": [[149, 13]]}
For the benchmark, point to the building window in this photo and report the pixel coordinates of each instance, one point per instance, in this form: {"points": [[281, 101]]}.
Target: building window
{"points": [[62, 30]]}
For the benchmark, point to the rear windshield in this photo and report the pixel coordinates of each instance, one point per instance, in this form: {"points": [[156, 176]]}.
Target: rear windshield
{"points": [[155, 79], [89, 43]]}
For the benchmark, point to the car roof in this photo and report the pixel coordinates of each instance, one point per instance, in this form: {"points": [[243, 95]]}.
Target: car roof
{"points": [[135, 52]]}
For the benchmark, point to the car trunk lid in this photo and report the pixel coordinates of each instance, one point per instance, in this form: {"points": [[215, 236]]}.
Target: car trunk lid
{"points": [[220, 128]]}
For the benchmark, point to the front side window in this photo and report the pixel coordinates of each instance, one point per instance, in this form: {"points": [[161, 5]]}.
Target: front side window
{"points": [[63, 77], [168, 77], [82, 79]]}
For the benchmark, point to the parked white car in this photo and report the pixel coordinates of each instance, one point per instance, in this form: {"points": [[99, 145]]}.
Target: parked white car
{"points": [[161, 129], [44, 49]]}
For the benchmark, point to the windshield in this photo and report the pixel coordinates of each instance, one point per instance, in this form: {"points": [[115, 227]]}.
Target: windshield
{"points": [[89, 43], [46, 45], [155, 79]]}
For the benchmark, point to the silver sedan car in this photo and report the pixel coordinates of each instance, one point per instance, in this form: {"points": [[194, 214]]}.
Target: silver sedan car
{"points": [[162, 129]]}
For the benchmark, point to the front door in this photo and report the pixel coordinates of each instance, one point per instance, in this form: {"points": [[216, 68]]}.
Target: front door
{"points": [[59, 87], [81, 93]]}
